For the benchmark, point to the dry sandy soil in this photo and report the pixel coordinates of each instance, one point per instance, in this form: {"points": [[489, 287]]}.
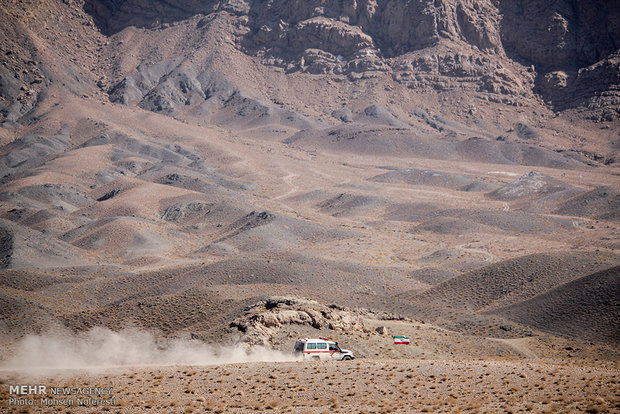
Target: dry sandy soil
{"points": [[364, 386], [435, 373]]}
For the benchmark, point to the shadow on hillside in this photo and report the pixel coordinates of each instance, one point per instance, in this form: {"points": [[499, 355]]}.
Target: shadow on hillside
{"points": [[112, 16]]}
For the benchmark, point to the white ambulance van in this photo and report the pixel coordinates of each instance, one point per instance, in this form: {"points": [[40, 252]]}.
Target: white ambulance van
{"points": [[321, 349]]}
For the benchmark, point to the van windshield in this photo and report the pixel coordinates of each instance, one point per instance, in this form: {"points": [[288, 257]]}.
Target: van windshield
{"points": [[334, 347], [299, 347]]}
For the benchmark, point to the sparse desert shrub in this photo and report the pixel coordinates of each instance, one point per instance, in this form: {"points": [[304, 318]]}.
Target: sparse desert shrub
{"points": [[272, 405], [335, 403]]}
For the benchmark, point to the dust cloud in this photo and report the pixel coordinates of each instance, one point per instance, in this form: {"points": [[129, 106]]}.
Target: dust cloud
{"points": [[104, 348]]}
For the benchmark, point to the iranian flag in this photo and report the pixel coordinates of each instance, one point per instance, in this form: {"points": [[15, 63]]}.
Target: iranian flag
{"points": [[401, 340]]}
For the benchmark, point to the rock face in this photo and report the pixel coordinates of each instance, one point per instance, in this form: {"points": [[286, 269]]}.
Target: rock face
{"points": [[262, 321], [504, 51], [416, 41], [114, 15], [560, 34], [573, 45], [397, 26], [567, 47]]}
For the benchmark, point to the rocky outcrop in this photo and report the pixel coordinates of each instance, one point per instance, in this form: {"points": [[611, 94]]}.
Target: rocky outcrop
{"points": [[532, 184], [357, 37], [262, 321], [504, 50], [560, 34], [594, 89], [573, 44], [114, 15], [396, 27]]}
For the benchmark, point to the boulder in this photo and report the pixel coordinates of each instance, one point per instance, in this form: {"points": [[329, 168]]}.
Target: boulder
{"points": [[381, 330]]}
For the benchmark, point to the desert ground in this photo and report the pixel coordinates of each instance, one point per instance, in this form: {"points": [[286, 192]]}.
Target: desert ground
{"points": [[363, 386], [440, 371]]}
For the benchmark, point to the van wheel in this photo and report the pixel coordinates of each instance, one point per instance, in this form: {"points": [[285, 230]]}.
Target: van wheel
{"points": [[316, 358], [346, 358]]}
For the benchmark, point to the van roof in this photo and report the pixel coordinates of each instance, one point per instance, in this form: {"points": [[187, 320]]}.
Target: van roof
{"points": [[320, 339]]}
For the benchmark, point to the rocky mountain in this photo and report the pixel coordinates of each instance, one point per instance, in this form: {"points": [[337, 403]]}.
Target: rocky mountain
{"points": [[508, 52]]}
